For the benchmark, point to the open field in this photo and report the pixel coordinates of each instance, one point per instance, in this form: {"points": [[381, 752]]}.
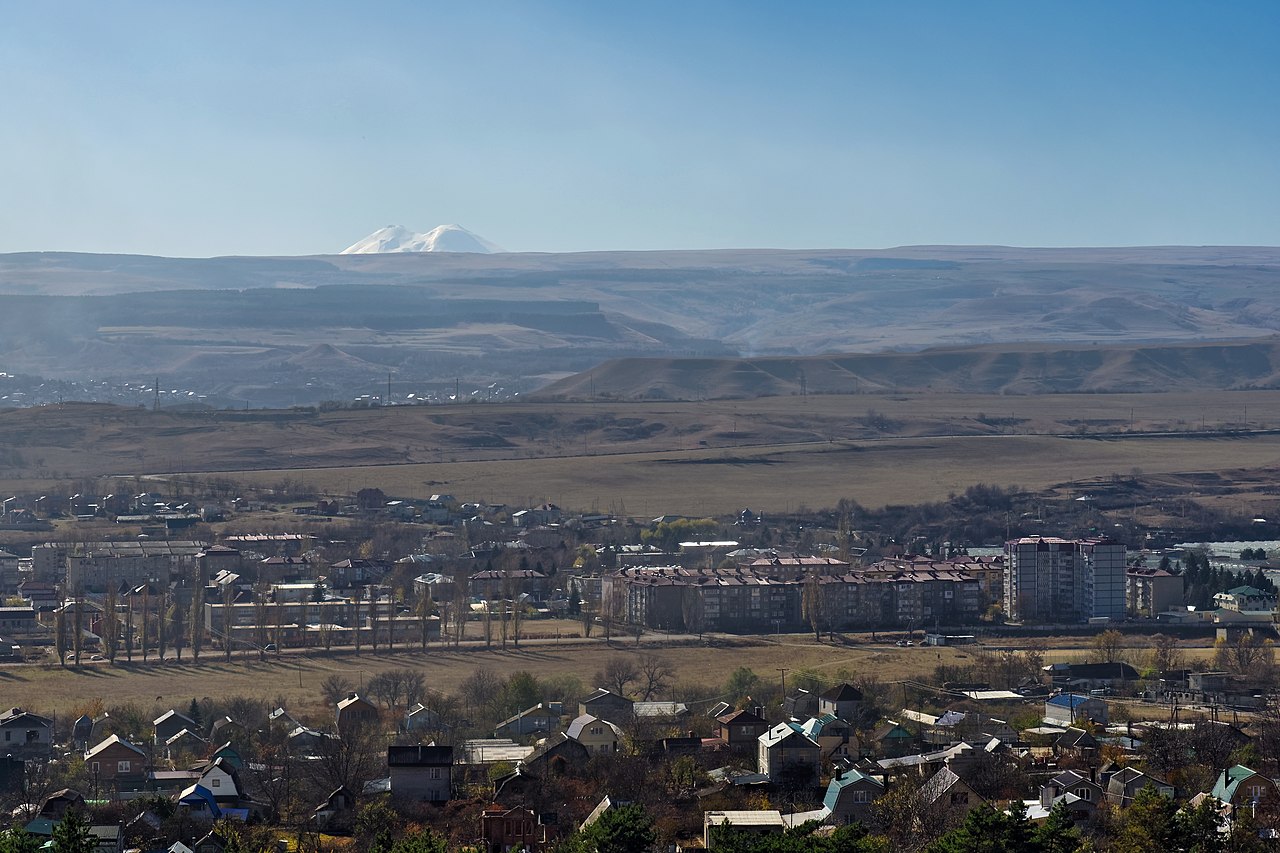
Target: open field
{"points": [[784, 478], [772, 454], [297, 679]]}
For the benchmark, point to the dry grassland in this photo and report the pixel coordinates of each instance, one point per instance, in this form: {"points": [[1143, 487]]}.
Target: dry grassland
{"points": [[783, 478], [296, 679]]}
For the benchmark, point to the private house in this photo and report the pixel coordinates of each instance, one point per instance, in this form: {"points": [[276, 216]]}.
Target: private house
{"points": [[1245, 599], [742, 729], [1123, 785], [116, 763], [169, 724], [1067, 709], [222, 780], [503, 829], [606, 705], [1077, 743], [1091, 676], [1070, 782], [540, 719], [225, 729], [946, 791], [843, 701], [355, 710], [893, 740], [25, 735], [1239, 786], [336, 813], [757, 822], [420, 718], [786, 753], [850, 797], [598, 736], [421, 772], [556, 756], [832, 735], [801, 705]]}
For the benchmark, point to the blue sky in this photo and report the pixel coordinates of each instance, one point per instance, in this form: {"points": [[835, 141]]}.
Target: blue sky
{"points": [[196, 129]]}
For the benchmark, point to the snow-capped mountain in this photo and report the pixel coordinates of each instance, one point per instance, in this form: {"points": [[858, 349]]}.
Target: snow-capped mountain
{"points": [[446, 238]]}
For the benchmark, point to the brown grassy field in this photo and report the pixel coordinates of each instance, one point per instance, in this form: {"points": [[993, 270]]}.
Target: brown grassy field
{"points": [[772, 454], [296, 679], [785, 478]]}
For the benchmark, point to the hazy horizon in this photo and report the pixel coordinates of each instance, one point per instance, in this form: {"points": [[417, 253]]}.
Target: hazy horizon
{"points": [[298, 129]]}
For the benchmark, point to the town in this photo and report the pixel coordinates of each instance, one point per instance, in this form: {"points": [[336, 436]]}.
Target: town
{"points": [[1076, 689]]}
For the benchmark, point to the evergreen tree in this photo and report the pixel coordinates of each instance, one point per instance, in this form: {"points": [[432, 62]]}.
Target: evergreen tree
{"points": [[1057, 834], [72, 835]]}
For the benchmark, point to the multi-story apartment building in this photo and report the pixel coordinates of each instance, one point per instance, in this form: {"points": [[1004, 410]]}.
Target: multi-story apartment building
{"points": [[93, 566], [742, 599], [314, 622], [1150, 591], [1064, 580]]}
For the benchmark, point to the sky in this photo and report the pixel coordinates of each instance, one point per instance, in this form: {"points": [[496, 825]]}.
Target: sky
{"points": [[281, 128]]}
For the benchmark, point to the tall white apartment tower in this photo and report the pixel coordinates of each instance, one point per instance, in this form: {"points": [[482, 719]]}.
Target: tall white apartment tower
{"points": [[1064, 580]]}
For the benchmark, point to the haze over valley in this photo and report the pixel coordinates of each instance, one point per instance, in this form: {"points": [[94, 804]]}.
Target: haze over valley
{"points": [[280, 331]]}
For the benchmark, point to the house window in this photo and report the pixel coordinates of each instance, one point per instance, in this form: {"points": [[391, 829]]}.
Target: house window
{"points": [[435, 772], [7, 735], [215, 783], [122, 767], [93, 768], [1085, 794], [1255, 792], [860, 797]]}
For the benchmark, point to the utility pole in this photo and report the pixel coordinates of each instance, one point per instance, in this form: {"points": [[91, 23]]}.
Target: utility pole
{"points": [[387, 401], [155, 403], [784, 686]]}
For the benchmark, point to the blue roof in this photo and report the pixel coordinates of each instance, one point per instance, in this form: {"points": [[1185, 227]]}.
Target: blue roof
{"points": [[1068, 700], [1229, 780], [839, 783]]}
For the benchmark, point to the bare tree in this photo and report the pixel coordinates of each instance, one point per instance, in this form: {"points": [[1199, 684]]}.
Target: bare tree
{"points": [[1166, 654], [335, 688], [196, 620], [1107, 645], [373, 620], [60, 633], [423, 612], [77, 627], [111, 624], [162, 624], [654, 675], [228, 619], [260, 621], [350, 760], [128, 629], [618, 674], [357, 597]]}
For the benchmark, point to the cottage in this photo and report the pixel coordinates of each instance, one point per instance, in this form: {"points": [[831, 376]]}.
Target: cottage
{"points": [[1239, 786], [25, 735], [787, 754], [850, 797], [355, 710], [946, 791], [1069, 708], [421, 772], [598, 736], [116, 762], [606, 705], [557, 755], [336, 813], [758, 822], [1123, 785], [843, 701], [171, 723], [742, 729], [540, 719], [832, 734], [503, 829]]}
